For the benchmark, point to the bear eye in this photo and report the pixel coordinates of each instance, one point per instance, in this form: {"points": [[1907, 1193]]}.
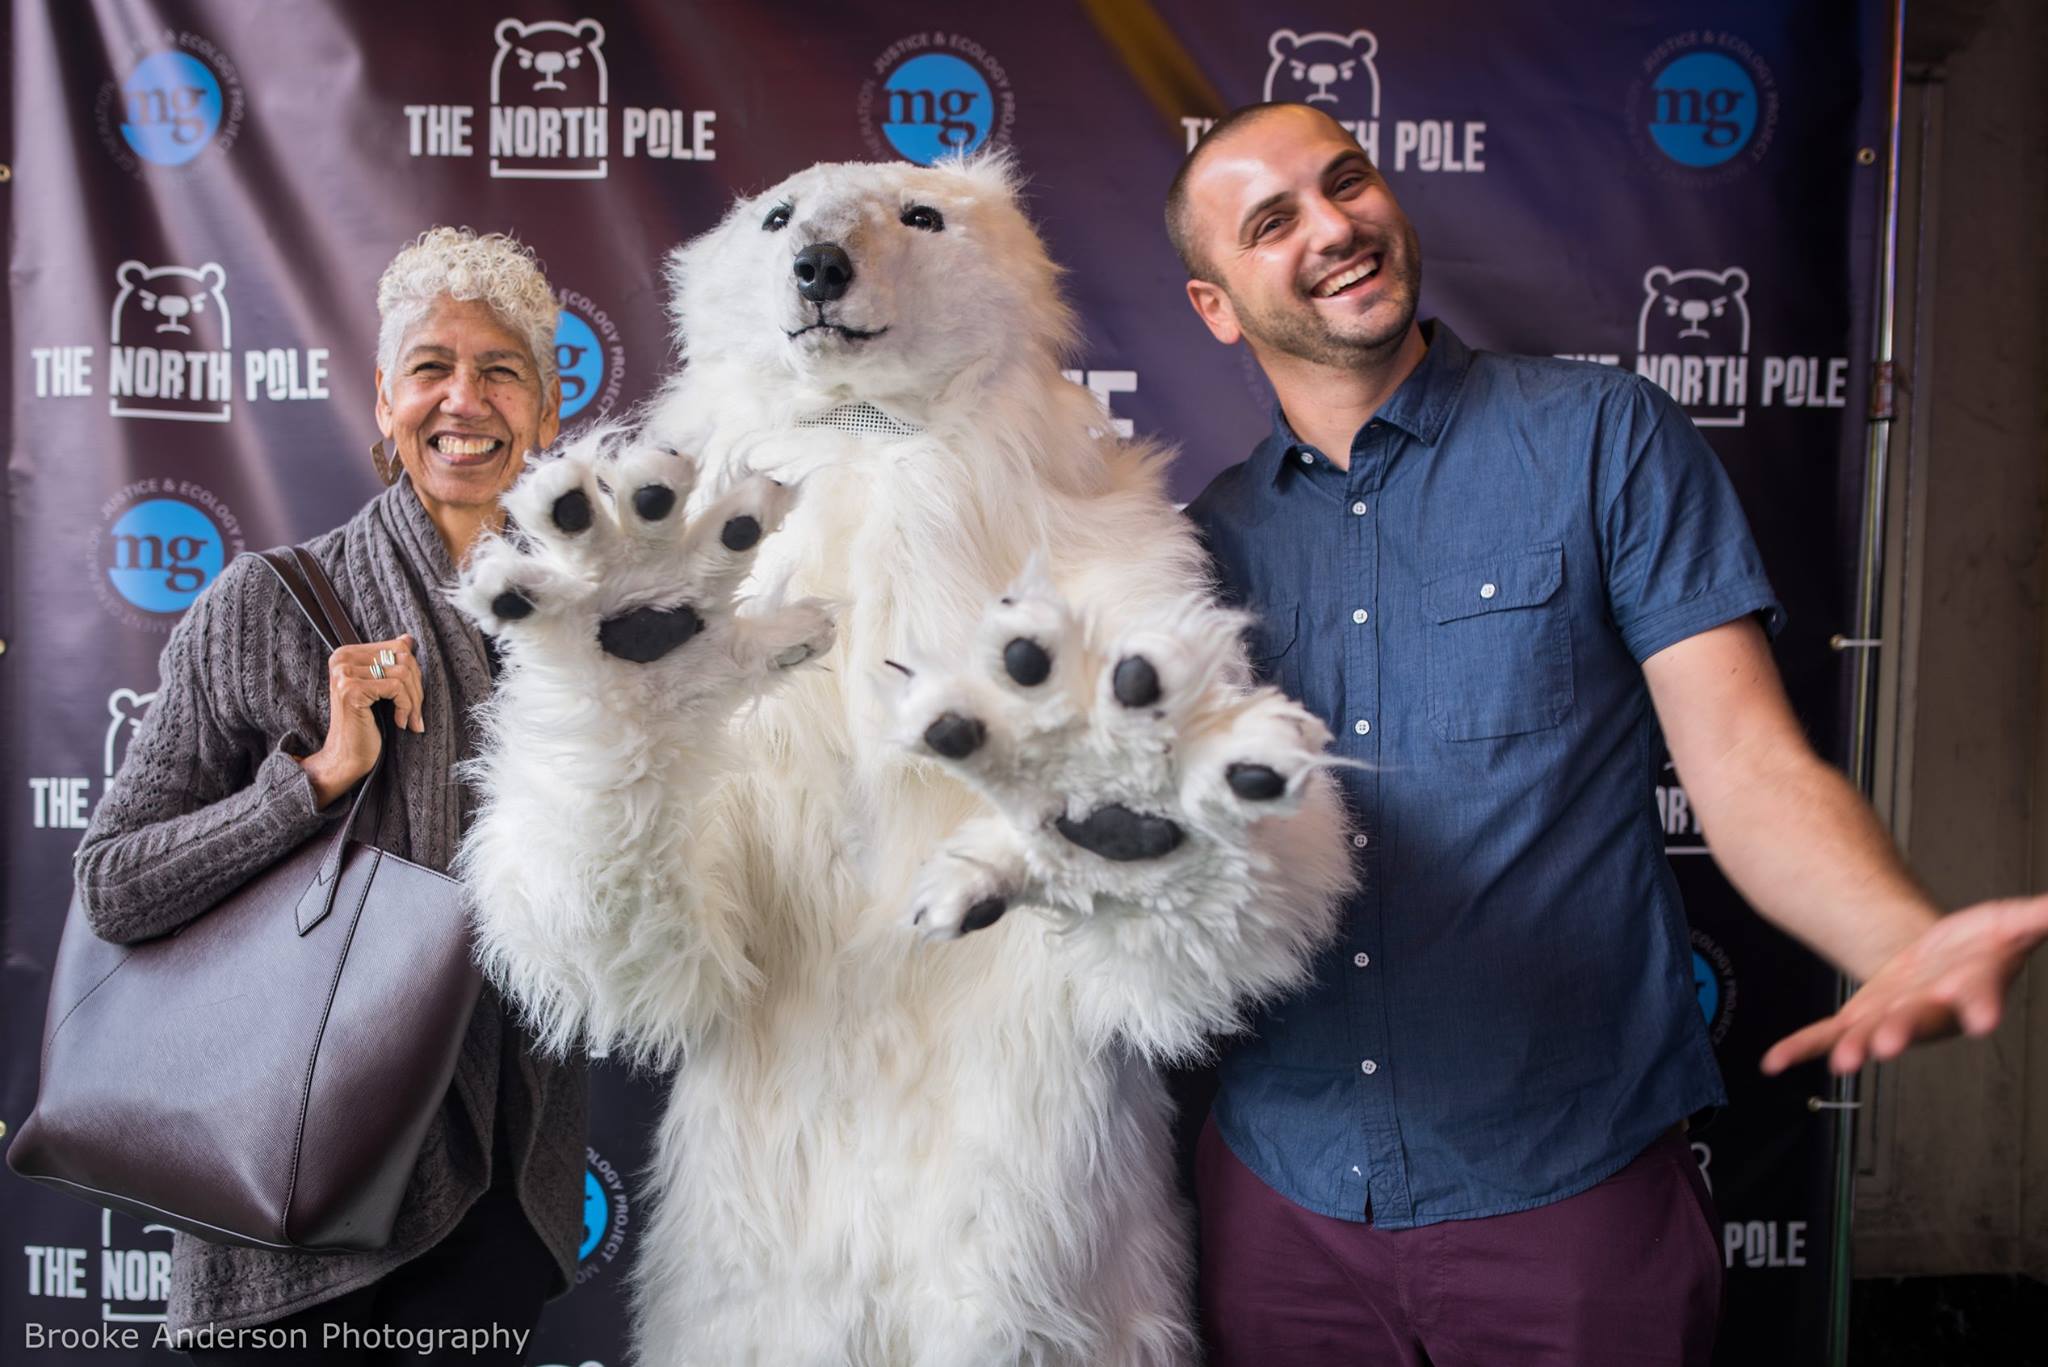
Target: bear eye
{"points": [[777, 220], [1300, 70], [924, 218]]}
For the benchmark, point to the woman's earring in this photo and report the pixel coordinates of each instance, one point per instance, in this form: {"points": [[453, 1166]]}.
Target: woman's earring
{"points": [[384, 455]]}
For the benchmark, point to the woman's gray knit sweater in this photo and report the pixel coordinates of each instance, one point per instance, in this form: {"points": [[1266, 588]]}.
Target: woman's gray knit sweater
{"points": [[210, 795]]}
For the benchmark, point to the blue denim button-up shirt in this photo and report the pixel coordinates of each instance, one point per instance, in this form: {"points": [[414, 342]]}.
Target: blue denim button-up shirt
{"points": [[1509, 1016]]}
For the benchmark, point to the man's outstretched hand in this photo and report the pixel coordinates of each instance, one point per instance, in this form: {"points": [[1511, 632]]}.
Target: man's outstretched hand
{"points": [[1953, 977]]}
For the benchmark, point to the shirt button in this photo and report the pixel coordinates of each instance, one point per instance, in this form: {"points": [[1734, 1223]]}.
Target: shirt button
{"points": [[1358, 508], [1362, 726], [1361, 616], [1487, 590], [1359, 842], [1307, 459], [1362, 960], [1369, 1067]]}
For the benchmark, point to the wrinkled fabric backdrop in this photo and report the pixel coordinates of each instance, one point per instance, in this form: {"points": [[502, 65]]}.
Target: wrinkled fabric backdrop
{"points": [[203, 194]]}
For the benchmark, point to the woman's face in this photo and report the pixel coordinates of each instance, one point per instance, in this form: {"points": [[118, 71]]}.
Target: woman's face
{"points": [[465, 405]]}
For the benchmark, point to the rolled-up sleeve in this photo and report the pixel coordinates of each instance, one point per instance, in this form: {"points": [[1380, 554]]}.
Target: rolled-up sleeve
{"points": [[1679, 555]]}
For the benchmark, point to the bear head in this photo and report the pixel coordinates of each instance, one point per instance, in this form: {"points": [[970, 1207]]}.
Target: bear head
{"points": [[1695, 310], [878, 280], [125, 710], [171, 306], [549, 61], [1332, 71]]}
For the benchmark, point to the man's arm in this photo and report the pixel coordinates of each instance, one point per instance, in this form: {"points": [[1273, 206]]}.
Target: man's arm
{"points": [[1808, 853]]}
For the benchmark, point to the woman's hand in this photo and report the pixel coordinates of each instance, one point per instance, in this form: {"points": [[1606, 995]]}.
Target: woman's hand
{"points": [[357, 678]]}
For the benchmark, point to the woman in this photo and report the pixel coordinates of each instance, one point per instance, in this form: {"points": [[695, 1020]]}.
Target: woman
{"points": [[258, 734]]}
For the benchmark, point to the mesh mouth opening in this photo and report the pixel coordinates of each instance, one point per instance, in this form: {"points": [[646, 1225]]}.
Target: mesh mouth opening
{"points": [[861, 417]]}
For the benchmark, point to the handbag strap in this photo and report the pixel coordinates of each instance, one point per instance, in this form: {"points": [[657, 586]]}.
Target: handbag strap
{"points": [[307, 582]]}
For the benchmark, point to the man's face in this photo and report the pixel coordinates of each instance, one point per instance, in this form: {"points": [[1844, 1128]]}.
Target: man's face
{"points": [[1312, 258]]}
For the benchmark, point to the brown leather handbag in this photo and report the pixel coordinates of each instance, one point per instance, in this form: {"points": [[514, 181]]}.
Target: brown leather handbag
{"points": [[263, 1075]]}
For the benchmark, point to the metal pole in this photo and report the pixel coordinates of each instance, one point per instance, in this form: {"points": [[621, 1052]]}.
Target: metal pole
{"points": [[1866, 642]]}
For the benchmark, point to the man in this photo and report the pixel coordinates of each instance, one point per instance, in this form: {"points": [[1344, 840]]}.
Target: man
{"points": [[1463, 1145]]}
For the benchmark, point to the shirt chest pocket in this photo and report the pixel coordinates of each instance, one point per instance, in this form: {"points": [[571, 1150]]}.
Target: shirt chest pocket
{"points": [[1498, 645], [1269, 645]]}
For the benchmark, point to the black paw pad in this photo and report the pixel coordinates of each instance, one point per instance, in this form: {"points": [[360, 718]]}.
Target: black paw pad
{"points": [[1116, 832], [1255, 782], [955, 736], [740, 534], [572, 512], [983, 914], [1136, 682], [654, 501], [1027, 662], [644, 635], [511, 605]]}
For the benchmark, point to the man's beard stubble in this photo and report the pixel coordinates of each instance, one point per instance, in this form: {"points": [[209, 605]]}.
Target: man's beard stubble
{"points": [[1306, 335]]}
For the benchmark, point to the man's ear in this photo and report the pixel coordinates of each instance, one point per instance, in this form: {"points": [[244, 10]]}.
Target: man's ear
{"points": [[383, 405], [1216, 311]]}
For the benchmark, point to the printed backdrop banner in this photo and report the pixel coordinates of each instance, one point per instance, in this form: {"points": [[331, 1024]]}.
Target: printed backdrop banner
{"points": [[204, 192]]}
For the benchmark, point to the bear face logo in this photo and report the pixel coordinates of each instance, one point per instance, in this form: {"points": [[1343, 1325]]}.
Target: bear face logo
{"points": [[1695, 310], [171, 306], [550, 61], [1332, 71], [125, 710]]}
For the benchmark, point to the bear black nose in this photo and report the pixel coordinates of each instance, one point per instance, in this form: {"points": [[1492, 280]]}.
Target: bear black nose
{"points": [[823, 271]]}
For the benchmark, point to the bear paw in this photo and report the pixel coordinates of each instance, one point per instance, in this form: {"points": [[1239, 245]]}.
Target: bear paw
{"points": [[602, 584], [1128, 772]]}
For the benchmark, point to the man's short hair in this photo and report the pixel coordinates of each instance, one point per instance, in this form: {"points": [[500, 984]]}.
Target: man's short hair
{"points": [[1179, 230]]}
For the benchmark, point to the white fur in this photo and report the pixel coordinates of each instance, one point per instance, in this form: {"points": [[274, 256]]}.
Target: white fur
{"points": [[887, 1143]]}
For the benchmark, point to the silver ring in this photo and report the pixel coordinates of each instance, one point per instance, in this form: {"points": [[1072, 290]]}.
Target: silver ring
{"points": [[376, 669], [387, 657]]}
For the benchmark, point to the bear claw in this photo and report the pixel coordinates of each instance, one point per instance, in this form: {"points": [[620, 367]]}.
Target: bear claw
{"points": [[1136, 682], [955, 736], [572, 512], [1255, 782], [654, 501]]}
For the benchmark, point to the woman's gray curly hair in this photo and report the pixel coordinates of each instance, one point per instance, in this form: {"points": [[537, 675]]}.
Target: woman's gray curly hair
{"points": [[461, 265]]}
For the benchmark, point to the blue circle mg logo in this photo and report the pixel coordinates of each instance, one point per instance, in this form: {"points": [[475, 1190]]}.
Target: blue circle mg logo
{"points": [[161, 553], [579, 357], [936, 104], [597, 1215], [1706, 986], [1703, 109], [172, 105]]}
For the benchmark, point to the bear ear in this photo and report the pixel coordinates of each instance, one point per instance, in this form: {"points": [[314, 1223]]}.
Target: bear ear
{"points": [[993, 170], [212, 276], [1283, 42], [509, 30], [1736, 279], [590, 31], [1657, 280], [1364, 44], [130, 274]]}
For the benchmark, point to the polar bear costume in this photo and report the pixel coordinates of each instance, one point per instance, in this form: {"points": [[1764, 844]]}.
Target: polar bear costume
{"points": [[913, 867]]}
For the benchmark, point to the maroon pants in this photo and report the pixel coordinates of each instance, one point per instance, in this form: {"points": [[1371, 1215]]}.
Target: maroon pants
{"points": [[1628, 1272]]}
